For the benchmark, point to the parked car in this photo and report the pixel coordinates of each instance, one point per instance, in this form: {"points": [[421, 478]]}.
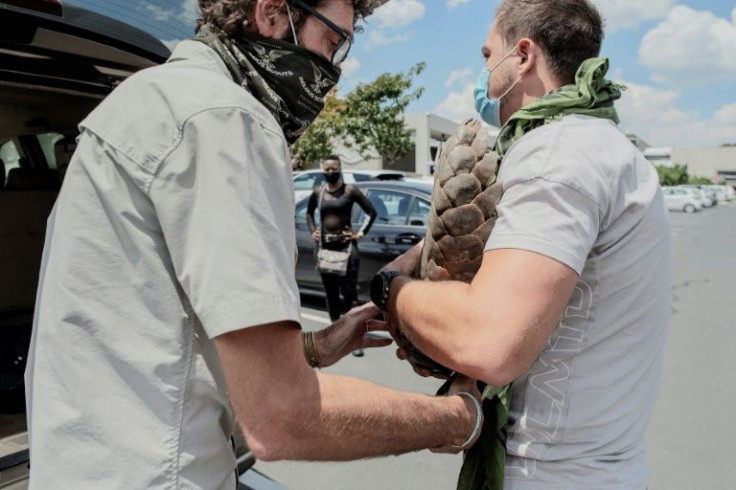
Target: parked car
{"points": [[707, 196], [723, 193], [306, 181], [403, 208], [679, 199]]}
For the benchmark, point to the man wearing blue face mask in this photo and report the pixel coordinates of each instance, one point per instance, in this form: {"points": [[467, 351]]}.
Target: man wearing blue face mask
{"points": [[489, 108], [572, 302], [167, 303]]}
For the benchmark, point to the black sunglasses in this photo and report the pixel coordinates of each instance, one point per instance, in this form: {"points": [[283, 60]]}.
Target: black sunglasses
{"points": [[346, 42]]}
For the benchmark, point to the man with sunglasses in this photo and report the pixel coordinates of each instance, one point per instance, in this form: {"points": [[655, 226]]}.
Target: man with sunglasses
{"points": [[167, 304]]}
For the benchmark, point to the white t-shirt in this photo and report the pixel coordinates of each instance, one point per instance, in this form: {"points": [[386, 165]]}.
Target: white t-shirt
{"points": [[174, 225], [579, 192]]}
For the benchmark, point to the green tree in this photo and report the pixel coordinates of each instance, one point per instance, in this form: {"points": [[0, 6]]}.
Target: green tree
{"points": [[696, 180], [672, 175], [372, 118]]}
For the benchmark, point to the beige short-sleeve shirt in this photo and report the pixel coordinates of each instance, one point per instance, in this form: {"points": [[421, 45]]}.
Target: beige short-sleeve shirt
{"points": [[174, 226]]}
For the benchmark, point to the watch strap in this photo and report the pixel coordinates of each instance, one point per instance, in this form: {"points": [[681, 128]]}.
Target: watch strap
{"points": [[384, 279]]}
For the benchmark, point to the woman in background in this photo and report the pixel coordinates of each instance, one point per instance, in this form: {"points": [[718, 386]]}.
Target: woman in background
{"points": [[335, 202]]}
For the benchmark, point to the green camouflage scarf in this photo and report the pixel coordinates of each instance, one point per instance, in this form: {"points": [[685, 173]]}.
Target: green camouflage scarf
{"points": [[591, 94]]}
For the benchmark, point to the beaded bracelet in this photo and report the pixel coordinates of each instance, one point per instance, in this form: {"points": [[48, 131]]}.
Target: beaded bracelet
{"points": [[310, 350]]}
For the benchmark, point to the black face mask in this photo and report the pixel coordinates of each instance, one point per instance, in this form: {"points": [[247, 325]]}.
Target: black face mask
{"points": [[290, 81], [332, 177]]}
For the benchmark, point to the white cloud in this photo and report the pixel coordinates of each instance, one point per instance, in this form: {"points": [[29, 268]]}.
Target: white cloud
{"points": [[185, 12], [350, 66], [459, 76], [159, 13], [726, 114], [398, 13], [189, 11], [452, 4], [378, 38], [653, 115], [457, 106], [626, 14], [393, 14], [690, 47]]}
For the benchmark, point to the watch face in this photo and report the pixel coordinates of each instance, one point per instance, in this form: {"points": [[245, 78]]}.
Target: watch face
{"points": [[379, 286], [377, 290]]}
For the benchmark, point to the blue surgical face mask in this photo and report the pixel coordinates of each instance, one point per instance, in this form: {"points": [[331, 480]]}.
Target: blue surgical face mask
{"points": [[489, 108]]}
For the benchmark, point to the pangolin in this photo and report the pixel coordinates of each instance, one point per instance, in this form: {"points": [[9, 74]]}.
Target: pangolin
{"points": [[462, 215]]}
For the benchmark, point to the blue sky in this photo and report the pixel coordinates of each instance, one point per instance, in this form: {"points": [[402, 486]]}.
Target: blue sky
{"points": [[678, 57]]}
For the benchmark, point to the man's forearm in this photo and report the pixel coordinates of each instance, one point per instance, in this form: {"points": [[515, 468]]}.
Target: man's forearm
{"points": [[443, 326], [494, 328], [346, 418], [289, 411]]}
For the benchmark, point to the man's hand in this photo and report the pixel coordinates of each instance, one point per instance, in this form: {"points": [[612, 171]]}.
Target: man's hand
{"points": [[407, 262], [467, 385], [315, 235], [402, 352], [391, 325], [348, 333]]}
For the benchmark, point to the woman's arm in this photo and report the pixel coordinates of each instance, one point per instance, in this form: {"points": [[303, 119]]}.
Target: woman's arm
{"points": [[313, 200], [358, 197]]}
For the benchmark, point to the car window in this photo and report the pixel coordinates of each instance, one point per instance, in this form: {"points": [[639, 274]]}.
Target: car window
{"points": [[361, 177], [307, 182], [419, 212], [35, 162], [301, 214], [392, 207], [48, 141], [10, 157]]}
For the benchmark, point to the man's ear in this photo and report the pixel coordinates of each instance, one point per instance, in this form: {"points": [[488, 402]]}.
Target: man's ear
{"points": [[270, 18], [528, 53]]}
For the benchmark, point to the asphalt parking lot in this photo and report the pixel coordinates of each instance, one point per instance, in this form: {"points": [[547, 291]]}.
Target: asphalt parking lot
{"points": [[691, 432]]}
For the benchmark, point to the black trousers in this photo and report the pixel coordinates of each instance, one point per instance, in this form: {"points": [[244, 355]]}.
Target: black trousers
{"points": [[342, 291]]}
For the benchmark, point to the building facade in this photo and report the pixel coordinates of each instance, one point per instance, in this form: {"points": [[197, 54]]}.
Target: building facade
{"points": [[718, 163]]}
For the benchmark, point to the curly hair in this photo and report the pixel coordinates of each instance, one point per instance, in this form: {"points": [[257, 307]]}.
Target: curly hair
{"points": [[230, 15]]}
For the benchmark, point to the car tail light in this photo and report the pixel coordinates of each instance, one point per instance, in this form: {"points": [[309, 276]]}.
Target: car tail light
{"points": [[52, 7]]}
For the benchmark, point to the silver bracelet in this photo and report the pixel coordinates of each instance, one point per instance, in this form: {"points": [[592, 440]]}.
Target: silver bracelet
{"points": [[478, 420]]}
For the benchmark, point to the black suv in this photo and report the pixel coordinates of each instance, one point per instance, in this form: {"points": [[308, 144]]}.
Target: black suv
{"points": [[56, 64]]}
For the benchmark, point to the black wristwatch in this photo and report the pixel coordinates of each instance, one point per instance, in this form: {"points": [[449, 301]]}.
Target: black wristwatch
{"points": [[380, 287]]}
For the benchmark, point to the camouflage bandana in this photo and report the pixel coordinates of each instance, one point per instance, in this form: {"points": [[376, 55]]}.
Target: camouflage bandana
{"points": [[290, 81], [591, 94]]}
